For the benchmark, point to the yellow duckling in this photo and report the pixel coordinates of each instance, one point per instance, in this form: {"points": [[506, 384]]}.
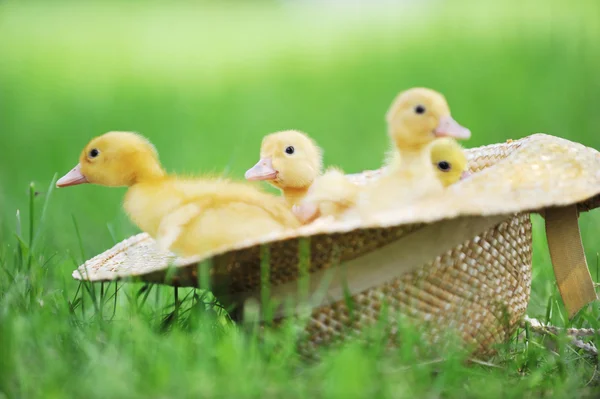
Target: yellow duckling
{"points": [[290, 161], [447, 158], [416, 118], [449, 161], [332, 194], [186, 216]]}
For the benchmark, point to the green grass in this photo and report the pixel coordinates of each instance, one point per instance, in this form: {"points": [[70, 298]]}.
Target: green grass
{"points": [[205, 83]]}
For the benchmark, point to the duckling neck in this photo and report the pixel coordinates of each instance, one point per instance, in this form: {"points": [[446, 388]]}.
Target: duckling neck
{"points": [[142, 204], [414, 160], [149, 174], [293, 196]]}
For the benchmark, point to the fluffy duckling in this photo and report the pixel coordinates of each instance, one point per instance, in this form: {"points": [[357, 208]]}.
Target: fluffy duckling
{"points": [[290, 161], [416, 118], [331, 195], [187, 216], [447, 158], [449, 161]]}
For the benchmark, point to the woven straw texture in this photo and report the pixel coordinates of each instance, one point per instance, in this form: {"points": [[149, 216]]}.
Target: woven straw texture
{"points": [[479, 288]]}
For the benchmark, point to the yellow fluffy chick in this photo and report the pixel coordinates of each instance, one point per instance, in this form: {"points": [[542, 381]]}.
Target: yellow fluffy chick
{"points": [[447, 158], [416, 118], [186, 216], [332, 194], [449, 161], [290, 161]]}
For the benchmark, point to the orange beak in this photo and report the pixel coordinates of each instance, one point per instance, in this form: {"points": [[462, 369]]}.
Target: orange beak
{"points": [[263, 170], [72, 178], [448, 127]]}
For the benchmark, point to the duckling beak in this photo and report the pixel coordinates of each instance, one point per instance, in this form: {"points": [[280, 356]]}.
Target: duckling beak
{"points": [[72, 178], [448, 127], [263, 170], [465, 175]]}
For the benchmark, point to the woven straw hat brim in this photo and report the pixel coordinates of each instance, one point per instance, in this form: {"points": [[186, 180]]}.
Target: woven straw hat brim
{"points": [[529, 174]]}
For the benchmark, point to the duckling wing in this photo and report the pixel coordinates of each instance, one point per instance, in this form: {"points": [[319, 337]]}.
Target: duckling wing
{"points": [[171, 226], [306, 212], [330, 195], [221, 193]]}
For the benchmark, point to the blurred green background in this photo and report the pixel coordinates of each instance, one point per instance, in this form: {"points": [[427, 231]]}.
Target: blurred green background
{"points": [[204, 81]]}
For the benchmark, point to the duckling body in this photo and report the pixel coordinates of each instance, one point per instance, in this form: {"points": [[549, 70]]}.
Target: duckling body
{"points": [[292, 162], [422, 130], [194, 216], [415, 119], [187, 216], [331, 195], [447, 157]]}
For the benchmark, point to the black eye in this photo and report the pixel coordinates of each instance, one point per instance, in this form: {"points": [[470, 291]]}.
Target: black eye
{"points": [[419, 109], [444, 166], [94, 153], [289, 150]]}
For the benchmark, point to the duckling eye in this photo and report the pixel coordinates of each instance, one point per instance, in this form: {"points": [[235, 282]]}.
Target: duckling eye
{"points": [[289, 150], [444, 166], [419, 109], [94, 153]]}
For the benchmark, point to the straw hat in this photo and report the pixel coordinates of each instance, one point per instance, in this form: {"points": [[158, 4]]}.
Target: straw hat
{"points": [[461, 262]]}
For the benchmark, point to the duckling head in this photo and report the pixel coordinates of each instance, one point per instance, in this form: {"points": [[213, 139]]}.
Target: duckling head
{"points": [[449, 161], [288, 160], [418, 116], [115, 159]]}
